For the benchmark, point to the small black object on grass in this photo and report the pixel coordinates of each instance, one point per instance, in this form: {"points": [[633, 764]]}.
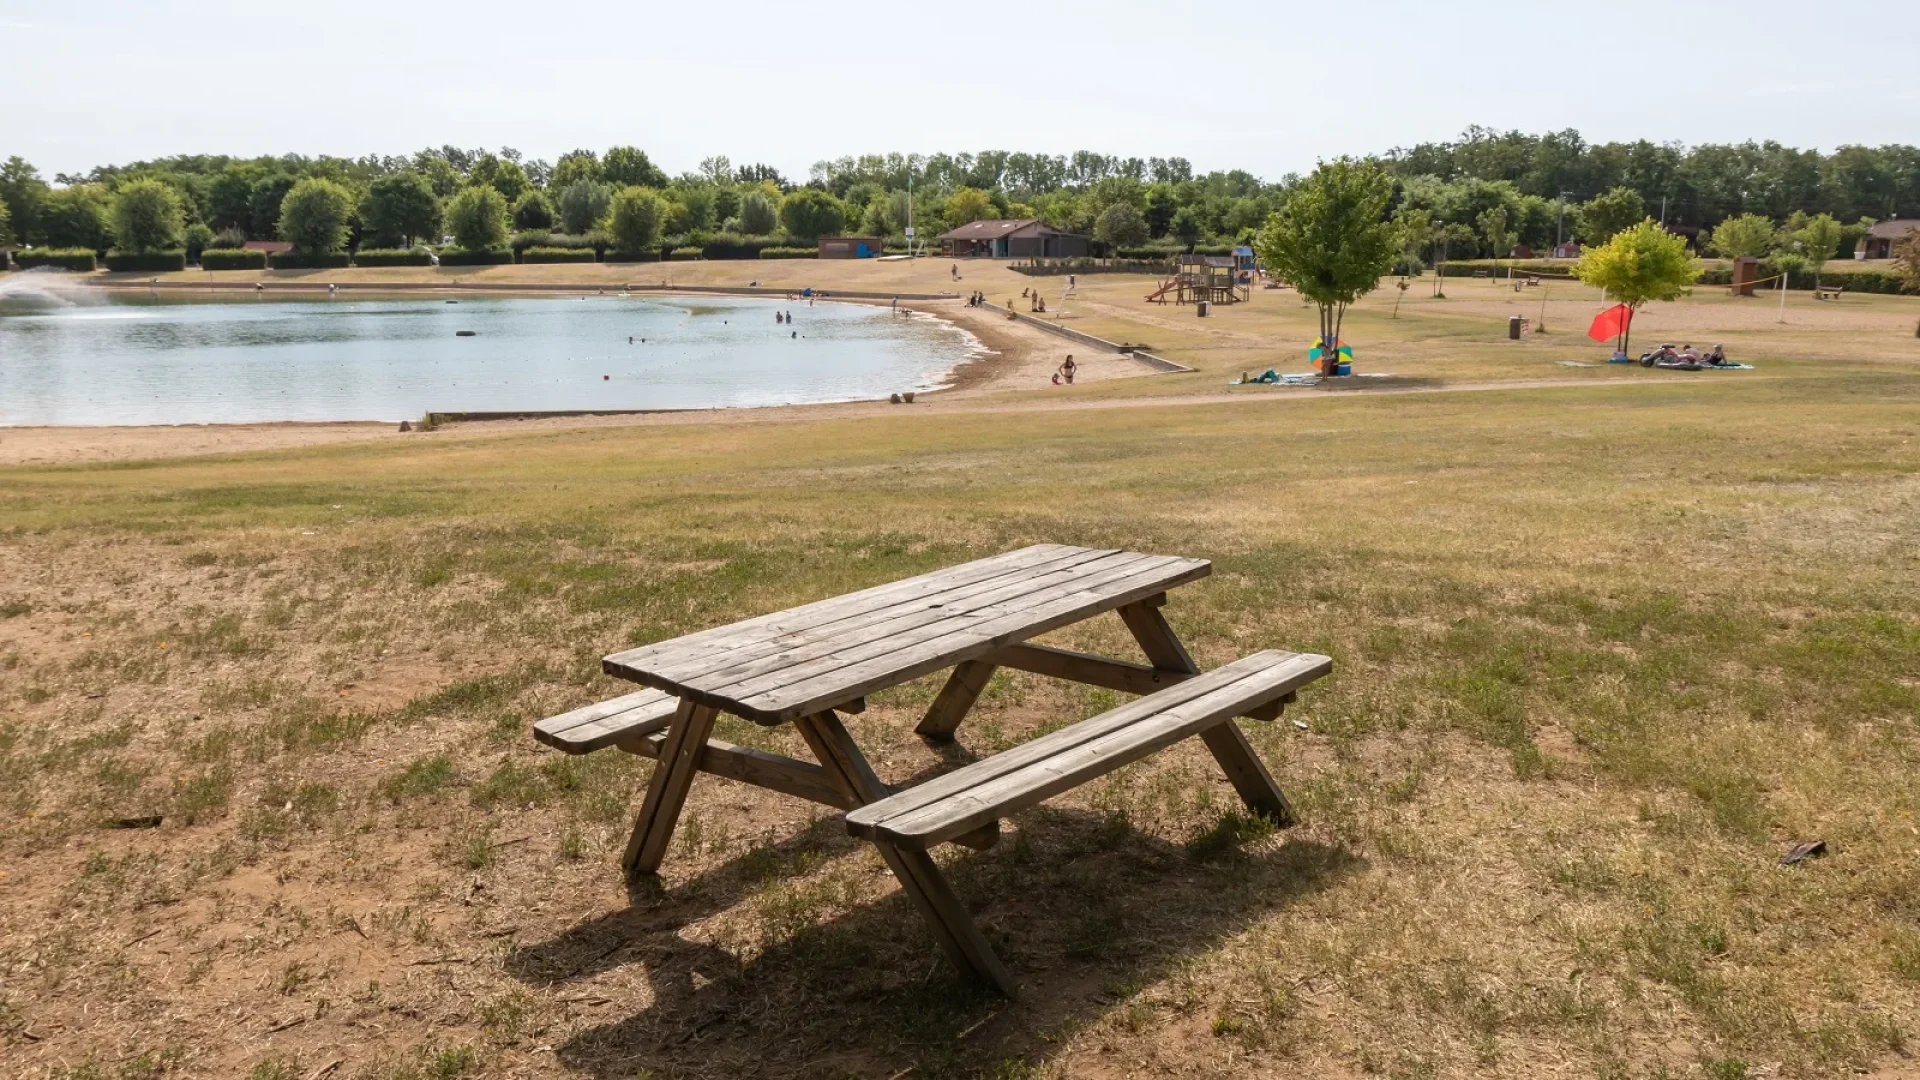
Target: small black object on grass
{"points": [[151, 821], [463, 333], [1810, 849]]}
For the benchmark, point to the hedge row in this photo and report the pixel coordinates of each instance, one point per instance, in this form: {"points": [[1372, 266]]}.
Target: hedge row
{"points": [[392, 257], [300, 260], [232, 259], [81, 259], [557, 255], [1713, 273], [123, 261], [453, 256], [789, 253], [684, 254], [630, 257]]}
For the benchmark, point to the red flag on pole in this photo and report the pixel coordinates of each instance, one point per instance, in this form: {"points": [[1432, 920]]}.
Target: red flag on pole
{"points": [[1610, 323]]}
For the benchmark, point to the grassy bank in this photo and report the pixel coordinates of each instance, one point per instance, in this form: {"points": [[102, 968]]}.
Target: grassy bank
{"points": [[1602, 654]]}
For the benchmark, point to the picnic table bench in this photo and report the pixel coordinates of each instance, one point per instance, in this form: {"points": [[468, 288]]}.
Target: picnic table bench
{"points": [[1827, 292], [806, 665]]}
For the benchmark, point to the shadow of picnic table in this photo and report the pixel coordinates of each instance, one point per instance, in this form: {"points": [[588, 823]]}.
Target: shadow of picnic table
{"points": [[1085, 910]]}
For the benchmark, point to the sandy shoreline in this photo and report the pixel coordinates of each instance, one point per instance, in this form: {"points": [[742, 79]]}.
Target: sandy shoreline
{"points": [[1013, 356]]}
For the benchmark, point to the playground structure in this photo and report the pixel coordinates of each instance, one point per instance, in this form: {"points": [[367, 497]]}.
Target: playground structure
{"points": [[1202, 277]]}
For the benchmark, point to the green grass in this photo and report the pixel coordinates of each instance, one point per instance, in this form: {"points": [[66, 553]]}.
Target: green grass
{"points": [[1601, 655]]}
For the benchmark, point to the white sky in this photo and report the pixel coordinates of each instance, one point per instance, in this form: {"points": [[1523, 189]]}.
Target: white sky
{"points": [[1266, 86]]}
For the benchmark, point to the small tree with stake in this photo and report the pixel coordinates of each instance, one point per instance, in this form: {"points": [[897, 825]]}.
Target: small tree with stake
{"points": [[1641, 263], [1333, 240]]}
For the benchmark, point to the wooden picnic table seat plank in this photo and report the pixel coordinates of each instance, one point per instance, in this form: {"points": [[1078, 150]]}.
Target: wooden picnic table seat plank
{"points": [[828, 615], [607, 723], [791, 691], [781, 641], [968, 798]]}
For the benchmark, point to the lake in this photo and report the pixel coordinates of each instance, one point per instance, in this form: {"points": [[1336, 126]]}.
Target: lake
{"points": [[73, 357]]}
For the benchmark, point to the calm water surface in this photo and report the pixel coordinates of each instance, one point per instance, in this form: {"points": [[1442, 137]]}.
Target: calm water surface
{"points": [[117, 359]]}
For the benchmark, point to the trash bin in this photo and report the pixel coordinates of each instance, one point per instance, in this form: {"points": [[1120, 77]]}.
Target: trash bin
{"points": [[1513, 328], [1204, 305]]}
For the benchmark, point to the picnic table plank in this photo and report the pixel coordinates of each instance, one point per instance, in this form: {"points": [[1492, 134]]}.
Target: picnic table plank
{"points": [[826, 680], [933, 812], [1305, 668], [832, 667], [774, 644], [607, 723], [825, 614]]}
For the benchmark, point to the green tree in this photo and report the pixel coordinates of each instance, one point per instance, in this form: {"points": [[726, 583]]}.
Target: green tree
{"points": [[477, 218], [315, 215], [1493, 228], [625, 166], [576, 166], [698, 199], [1604, 215], [399, 209], [441, 176], [1819, 239], [76, 216], [809, 214], [1416, 232], [146, 217], [230, 198], [6, 229], [877, 219], [1332, 240], [1184, 227], [533, 211], [1640, 264], [582, 204], [1120, 225], [1907, 261], [967, 205], [1746, 236], [23, 192], [635, 218], [1161, 206], [758, 214], [263, 203], [510, 180], [198, 238]]}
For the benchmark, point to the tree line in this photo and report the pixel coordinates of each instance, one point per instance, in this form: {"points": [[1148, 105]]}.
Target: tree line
{"points": [[1475, 196]]}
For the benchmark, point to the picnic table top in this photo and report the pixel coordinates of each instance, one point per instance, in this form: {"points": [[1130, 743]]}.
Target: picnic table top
{"points": [[793, 663]]}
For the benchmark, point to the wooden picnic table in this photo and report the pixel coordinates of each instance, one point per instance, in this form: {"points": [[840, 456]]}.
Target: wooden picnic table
{"points": [[806, 665]]}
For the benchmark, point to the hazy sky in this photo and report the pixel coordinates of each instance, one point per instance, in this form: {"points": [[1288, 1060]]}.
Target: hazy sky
{"points": [[1268, 86]]}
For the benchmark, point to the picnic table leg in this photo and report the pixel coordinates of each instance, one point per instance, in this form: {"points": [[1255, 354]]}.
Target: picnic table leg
{"points": [[918, 874], [1227, 742], [667, 790], [962, 690]]}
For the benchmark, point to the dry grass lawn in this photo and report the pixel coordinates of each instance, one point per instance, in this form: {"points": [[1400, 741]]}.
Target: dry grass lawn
{"points": [[1603, 653]]}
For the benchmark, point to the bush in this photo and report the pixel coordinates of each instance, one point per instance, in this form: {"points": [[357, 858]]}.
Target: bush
{"points": [[300, 260], [314, 217], [81, 259], [685, 254], [392, 257], [736, 246], [232, 259], [635, 217], [125, 261], [557, 255], [457, 256], [789, 252], [537, 239], [612, 256], [477, 218]]}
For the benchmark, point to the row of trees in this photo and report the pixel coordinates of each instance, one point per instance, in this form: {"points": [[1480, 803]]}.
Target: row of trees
{"points": [[1477, 196], [1696, 186]]}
